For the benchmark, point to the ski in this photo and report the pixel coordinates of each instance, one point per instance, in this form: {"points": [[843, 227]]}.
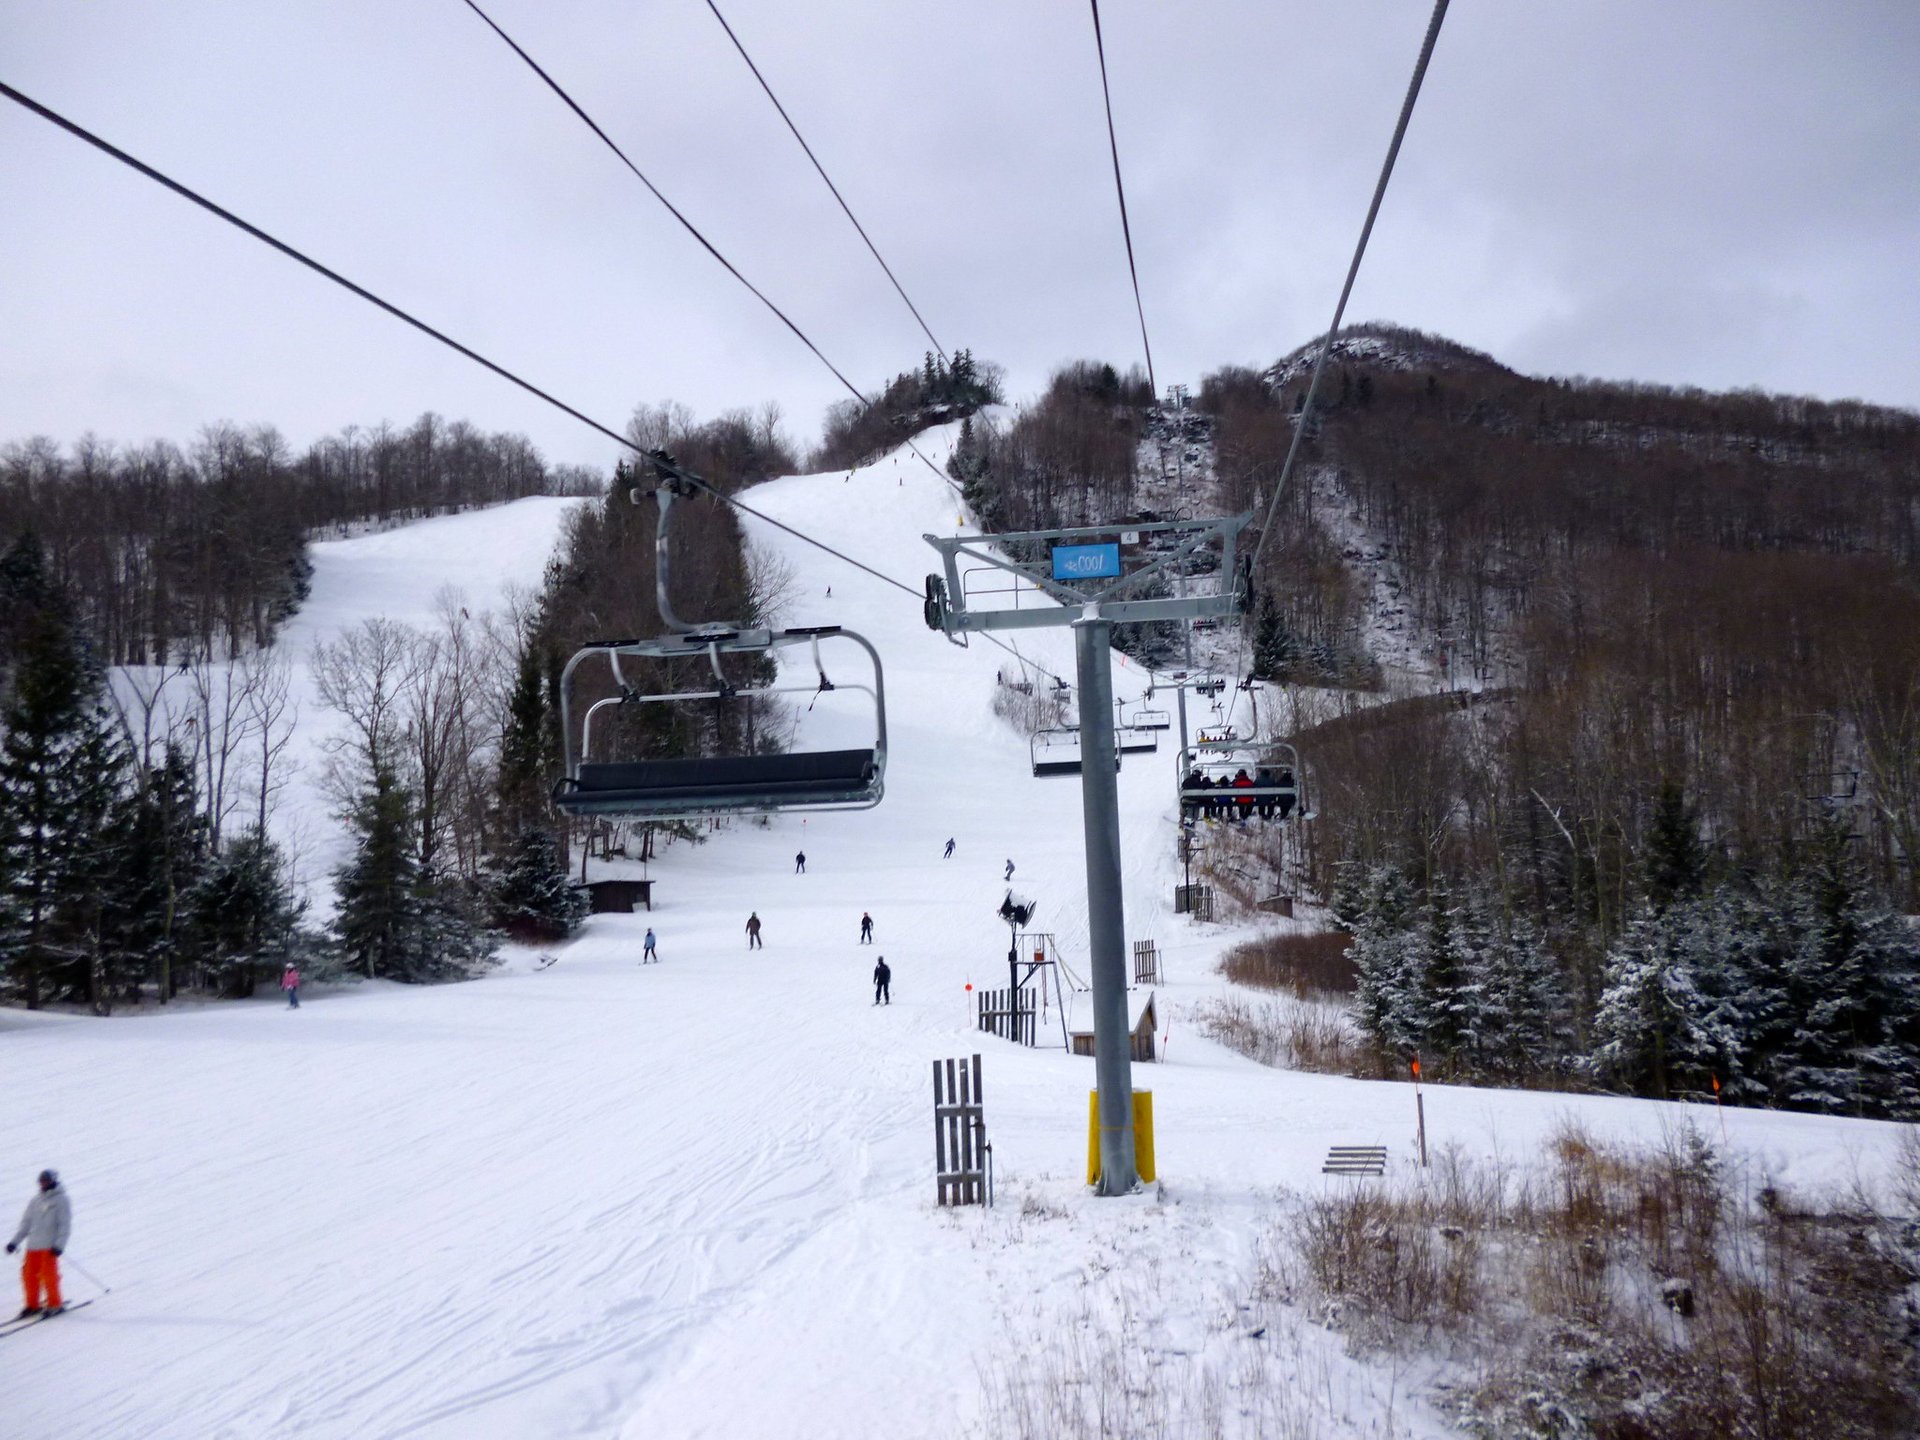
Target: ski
{"points": [[19, 1323]]}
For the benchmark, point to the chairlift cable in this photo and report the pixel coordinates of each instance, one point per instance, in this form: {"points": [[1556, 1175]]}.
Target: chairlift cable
{"points": [[874, 250], [1346, 290], [1120, 189], [689, 226], [106, 147], [185, 192]]}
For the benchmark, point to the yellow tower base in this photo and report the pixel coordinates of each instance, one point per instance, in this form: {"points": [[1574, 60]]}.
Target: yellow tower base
{"points": [[1142, 1136]]}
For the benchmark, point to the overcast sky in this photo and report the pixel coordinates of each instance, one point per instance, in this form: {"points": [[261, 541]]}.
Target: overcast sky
{"points": [[1721, 193]]}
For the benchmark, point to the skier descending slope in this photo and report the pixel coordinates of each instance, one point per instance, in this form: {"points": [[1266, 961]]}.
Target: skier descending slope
{"points": [[44, 1227], [882, 983]]}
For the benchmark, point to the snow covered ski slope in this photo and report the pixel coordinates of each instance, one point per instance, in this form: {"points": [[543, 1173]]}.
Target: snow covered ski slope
{"points": [[696, 1199]]}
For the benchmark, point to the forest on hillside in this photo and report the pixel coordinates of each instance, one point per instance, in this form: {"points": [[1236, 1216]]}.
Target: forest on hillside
{"points": [[137, 860], [943, 388], [1687, 795], [167, 551]]}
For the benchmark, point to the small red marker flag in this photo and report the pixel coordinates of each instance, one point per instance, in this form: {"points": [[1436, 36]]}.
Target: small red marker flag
{"points": [[1416, 1067]]}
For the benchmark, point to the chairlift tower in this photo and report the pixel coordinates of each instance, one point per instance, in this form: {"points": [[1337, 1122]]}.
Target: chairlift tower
{"points": [[1084, 570]]}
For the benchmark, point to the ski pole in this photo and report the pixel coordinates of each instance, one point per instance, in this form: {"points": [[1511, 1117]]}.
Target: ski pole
{"points": [[86, 1274]]}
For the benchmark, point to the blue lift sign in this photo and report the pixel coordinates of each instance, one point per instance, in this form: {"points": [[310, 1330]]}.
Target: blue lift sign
{"points": [[1086, 562]]}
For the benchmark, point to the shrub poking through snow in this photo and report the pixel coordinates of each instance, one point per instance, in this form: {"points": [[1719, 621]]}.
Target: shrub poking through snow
{"points": [[1627, 1293]]}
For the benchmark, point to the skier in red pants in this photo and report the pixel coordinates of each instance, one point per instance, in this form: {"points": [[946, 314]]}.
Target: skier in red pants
{"points": [[44, 1227]]}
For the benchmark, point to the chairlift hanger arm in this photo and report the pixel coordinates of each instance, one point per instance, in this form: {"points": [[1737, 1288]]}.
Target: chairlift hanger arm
{"points": [[1193, 545], [953, 616]]}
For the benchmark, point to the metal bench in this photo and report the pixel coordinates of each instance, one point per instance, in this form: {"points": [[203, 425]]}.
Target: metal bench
{"points": [[1355, 1160]]}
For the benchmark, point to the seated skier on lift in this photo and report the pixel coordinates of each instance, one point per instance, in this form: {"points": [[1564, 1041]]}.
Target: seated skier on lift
{"points": [[1243, 804], [1265, 779]]}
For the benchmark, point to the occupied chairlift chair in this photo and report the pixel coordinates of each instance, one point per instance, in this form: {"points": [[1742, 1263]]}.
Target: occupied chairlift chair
{"points": [[1273, 771], [722, 785]]}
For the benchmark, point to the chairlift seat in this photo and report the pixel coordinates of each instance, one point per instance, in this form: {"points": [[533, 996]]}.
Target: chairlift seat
{"points": [[738, 782], [1220, 762], [1057, 751]]}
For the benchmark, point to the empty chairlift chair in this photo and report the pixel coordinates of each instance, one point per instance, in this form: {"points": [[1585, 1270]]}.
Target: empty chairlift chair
{"points": [[1057, 751], [740, 784], [839, 779]]}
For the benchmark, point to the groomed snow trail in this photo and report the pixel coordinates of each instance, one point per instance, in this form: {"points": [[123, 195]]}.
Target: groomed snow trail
{"points": [[693, 1199]]}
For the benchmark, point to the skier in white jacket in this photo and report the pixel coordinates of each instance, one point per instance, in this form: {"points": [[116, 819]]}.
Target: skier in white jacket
{"points": [[44, 1228]]}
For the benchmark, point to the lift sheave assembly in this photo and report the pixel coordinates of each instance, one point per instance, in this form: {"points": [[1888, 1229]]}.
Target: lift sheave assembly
{"points": [[738, 784]]}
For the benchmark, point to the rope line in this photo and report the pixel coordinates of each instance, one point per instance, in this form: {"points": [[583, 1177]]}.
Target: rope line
{"points": [[1120, 189], [874, 250]]}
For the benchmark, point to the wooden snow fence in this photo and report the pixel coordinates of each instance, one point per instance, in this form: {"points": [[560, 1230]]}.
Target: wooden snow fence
{"points": [[1009, 1014], [1146, 963], [1355, 1160], [963, 1160], [1194, 900]]}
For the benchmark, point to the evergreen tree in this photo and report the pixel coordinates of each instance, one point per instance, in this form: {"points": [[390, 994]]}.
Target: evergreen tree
{"points": [[1347, 905], [1676, 865], [449, 939], [1658, 1030], [61, 770], [526, 751], [533, 897], [27, 593], [1517, 1026], [1276, 653], [148, 920], [1387, 950], [397, 920], [1750, 986], [1853, 992], [970, 466], [245, 916], [1444, 1016], [377, 889]]}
